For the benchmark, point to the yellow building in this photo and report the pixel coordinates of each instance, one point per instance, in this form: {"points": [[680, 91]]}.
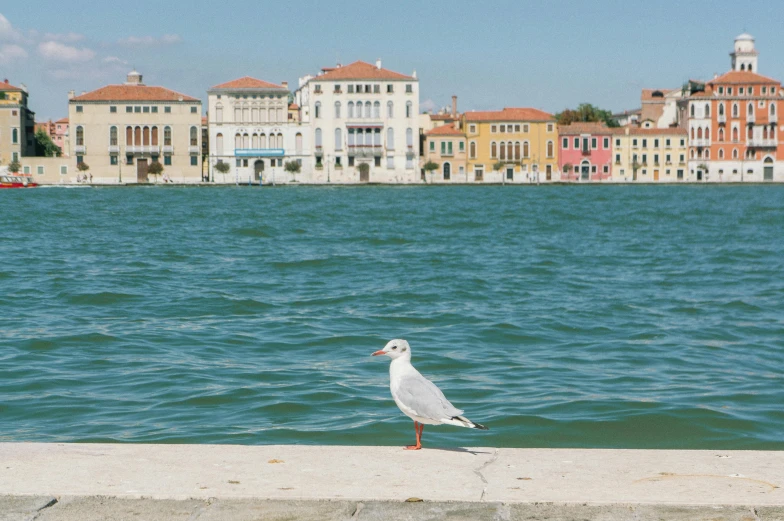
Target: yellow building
{"points": [[649, 155], [525, 140], [446, 147], [16, 124]]}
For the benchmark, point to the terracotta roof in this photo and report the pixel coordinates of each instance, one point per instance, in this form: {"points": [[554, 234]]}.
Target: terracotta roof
{"points": [[360, 70], [580, 127], [204, 120], [445, 130], [133, 93], [62, 121], [743, 77], [247, 83], [647, 94], [443, 117], [638, 131], [510, 114], [7, 87], [293, 106]]}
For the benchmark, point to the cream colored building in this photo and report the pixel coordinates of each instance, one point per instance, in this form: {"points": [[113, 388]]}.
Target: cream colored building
{"points": [[446, 147], [120, 130], [649, 155], [17, 124]]}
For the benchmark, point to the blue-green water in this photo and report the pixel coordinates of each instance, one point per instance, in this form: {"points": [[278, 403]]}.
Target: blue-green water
{"points": [[648, 317]]}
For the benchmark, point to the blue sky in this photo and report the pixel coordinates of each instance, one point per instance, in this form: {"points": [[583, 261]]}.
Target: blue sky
{"points": [[549, 55]]}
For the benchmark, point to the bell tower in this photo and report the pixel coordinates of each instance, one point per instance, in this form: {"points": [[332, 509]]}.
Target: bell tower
{"points": [[745, 56]]}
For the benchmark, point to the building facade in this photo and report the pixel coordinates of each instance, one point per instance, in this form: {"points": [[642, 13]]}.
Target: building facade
{"points": [[445, 146], [17, 124], [650, 155], [585, 152], [253, 128], [522, 141], [120, 130], [362, 114], [57, 132]]}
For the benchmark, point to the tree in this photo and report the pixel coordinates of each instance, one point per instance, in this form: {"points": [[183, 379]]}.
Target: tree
{"points": [[292, 167], [82, 167], [498, 166], [44, 146], [155, 168], [567, 168], [430, 166], [14, 167], [586, 112], [222, 167]]}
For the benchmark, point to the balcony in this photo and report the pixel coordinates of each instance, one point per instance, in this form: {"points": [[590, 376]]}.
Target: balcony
{"points": [[146, 149], [773, 118], [114, 149], [762, 143], [80, 149], [721, 118], [751, 118], [700, 142], [365, 150], [168, 149], [586, 151], [194, 149]]}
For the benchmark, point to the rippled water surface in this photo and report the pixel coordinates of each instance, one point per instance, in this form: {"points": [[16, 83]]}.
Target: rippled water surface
{"points": [[622, 316]]}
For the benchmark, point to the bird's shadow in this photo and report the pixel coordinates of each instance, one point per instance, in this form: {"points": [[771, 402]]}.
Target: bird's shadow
{"points": [[458, 449]]}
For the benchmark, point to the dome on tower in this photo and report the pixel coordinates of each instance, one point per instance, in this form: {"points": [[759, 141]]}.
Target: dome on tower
{"points": [[745, 36]]}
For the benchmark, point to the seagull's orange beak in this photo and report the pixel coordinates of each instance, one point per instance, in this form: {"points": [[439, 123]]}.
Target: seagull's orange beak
{"points": [[379, 353]]}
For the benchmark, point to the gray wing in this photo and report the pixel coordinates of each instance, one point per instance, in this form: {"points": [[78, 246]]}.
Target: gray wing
{"points": [[427, 400]]}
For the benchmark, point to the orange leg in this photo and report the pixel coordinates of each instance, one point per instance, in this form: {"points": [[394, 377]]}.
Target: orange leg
{"points": [[418, 428]]}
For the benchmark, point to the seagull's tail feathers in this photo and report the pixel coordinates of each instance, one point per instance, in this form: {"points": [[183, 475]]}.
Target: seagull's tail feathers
{"points": [[462, 421]]}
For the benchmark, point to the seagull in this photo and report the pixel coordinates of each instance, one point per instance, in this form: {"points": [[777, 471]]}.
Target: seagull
{"points": [[418, 397]]}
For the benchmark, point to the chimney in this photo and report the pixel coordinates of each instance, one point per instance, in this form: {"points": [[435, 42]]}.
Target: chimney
{"points": [[6, 81], [454, 106], [71, 94], [285, 85], [378, 64]]}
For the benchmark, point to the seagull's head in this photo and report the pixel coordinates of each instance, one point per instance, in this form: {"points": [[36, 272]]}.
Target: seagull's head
{"points": [[395, 349]]}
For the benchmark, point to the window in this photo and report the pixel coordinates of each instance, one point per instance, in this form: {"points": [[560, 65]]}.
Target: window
{"points": [[735, 111], [617, 142], [63, 170], [318, 110], [656, 159], [525, 149], [493, 150], [409, 138], [79, 136], [409, 88], [113, 109], [432, 146], [550, 149], [155, 110], [668, 159], [137, 110], [377, 110], [462, 146], [409, 109], [502, 129], [390, 138], [606, 143], [79, 108], [645, 159], [390, 109], [377, 90], [113, 160], [655, 143], [338, 139], [40, 170], [167, 110], [493, 129], [644, 143], [194, 137], [517, 128], [576, 143], [15, 136], [472, 129], [617, 159], [594, 143], [317, 89], [113, 136], [194, 160], [390, 90], [472, 150], [337, 110], [146, 110], [550, 127], [128, 109], [351, 89], [525, 128], [634, 142], [565, 144], [167, 160], [167, 137]]}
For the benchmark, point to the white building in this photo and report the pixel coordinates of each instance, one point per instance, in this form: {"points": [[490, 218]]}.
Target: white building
{"points": [[362, 113], [252, 129]]}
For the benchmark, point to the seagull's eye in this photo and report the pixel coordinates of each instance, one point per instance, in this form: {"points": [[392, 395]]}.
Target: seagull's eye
{"points": [[394, 347]]}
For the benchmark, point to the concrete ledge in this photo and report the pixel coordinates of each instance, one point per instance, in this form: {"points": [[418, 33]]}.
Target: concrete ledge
{"points": [[145, 482]]}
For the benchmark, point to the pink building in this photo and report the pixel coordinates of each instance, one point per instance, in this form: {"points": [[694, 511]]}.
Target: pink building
{"points": [[57, 131], [585, 151]]}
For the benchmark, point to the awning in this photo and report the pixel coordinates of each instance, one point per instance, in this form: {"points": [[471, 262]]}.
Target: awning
{"points": [[259, 152]]}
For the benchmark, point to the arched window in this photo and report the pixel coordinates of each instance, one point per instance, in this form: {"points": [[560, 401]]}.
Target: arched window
{"points": [[338, 139], [218, 144], [318, 138], [113, 136], [146, 134], [735, 134], [409, 138], [137, 136], [79, 136], [721, 134], [692, 110], [237, 114], [377, 137], [721, 153], [493, 150], [692, 133], [750, 110], [154, 136], [773, 132], [526, 149], [367, 110], [699, 133], [263, 141], [447, 171], [254, 140], [194, 137], [692, 153], [550, 149], [298, 141], [772, 109], [750, 68], [409, 109], [245, 114], [750, 132], [128, 136], [743, 66], [707, 110], [337, 110], [707, 153], [517, 151], [377, 110], [254, 114], [167, 136], [390, 109], [280, 141], [735, 111], [237, 140], [472, 150], [317, 113], [219, 113], [502, 151], [360, 137], [721, 109], [734, 153], [350, 109], [707, 133], [390, 139], [764, 132]]}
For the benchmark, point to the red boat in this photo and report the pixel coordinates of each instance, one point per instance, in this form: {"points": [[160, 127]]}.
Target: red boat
{"points": [[16, 181]]}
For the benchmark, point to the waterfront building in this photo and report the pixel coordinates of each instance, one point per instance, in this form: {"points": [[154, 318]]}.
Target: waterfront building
{"points": [[446, 147], [585, 151], [17, 124], [362, 114], [119, 130], [732, 122], [254, 128], [523, 140], [649, 155]]}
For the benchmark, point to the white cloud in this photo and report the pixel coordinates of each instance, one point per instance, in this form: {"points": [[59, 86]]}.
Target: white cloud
{"points": [[65, 37], [10, 53], [7, 31], [150, 41], [65, 53], [114, 60], [428, 105]]}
